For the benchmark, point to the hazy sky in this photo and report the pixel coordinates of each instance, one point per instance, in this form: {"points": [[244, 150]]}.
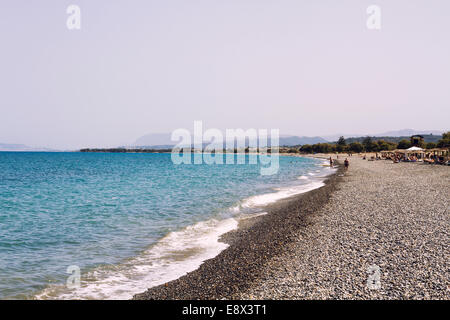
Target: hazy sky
{"points": [[137, 67]]}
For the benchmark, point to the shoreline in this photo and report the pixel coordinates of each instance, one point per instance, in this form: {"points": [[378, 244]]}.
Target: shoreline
{"points": [[221, 239], [255, 241], [383, 235], [325, 244]]}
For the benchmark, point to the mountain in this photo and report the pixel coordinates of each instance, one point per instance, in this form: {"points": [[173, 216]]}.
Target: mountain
{"points": [[426, 138], [154, 139], [295, 140], [408, 132], [395, 134], [21, 147], [163, 141], [335, 137]]}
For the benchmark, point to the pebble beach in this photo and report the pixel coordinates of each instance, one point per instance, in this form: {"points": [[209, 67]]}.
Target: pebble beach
{"points": [[379, 230]]}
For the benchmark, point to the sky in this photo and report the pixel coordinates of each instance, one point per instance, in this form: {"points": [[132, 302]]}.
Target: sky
{"points": [[309, 68]]}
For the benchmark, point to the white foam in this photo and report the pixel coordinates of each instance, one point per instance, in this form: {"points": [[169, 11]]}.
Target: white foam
{"points": [[282, 193], [252, 215], [173, 256]]}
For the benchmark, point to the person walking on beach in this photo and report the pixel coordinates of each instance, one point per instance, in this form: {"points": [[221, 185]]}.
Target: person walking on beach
{"points": [[346, 163], [331, 162]]}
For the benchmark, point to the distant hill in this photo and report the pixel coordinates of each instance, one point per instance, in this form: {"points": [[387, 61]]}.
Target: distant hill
{"points": [[296, 141], [408, 132], [21, 147], [426, 137], [154, 147], [163, 141], [391, 134], [154, 139]]}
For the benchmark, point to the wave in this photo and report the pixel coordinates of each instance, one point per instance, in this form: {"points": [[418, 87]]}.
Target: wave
{"points": [[281, 193], [173, 256]]}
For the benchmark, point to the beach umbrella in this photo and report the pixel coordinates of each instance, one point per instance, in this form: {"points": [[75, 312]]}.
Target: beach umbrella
{"points": [[414, 149]]}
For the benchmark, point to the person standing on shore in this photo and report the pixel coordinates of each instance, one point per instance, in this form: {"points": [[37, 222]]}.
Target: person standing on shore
{"points": [[331, 162], [346, 164]]}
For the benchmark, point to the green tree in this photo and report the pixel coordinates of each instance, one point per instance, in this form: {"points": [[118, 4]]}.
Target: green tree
{"points": [[431, 145], [385, 145], [369, 145], [341, 144], [445, 141], [307, 148], [404, 144], [356, 147], [324, 148]]}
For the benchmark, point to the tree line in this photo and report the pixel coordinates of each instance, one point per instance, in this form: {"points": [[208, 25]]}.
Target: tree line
{"points": [[367, 145], [370, 145]]}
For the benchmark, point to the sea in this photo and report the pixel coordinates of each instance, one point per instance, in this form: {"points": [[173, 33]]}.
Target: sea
{"points": [[109, 225]]}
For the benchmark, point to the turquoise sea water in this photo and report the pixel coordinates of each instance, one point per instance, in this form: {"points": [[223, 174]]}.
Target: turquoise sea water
{"points": [[128, 221]]}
